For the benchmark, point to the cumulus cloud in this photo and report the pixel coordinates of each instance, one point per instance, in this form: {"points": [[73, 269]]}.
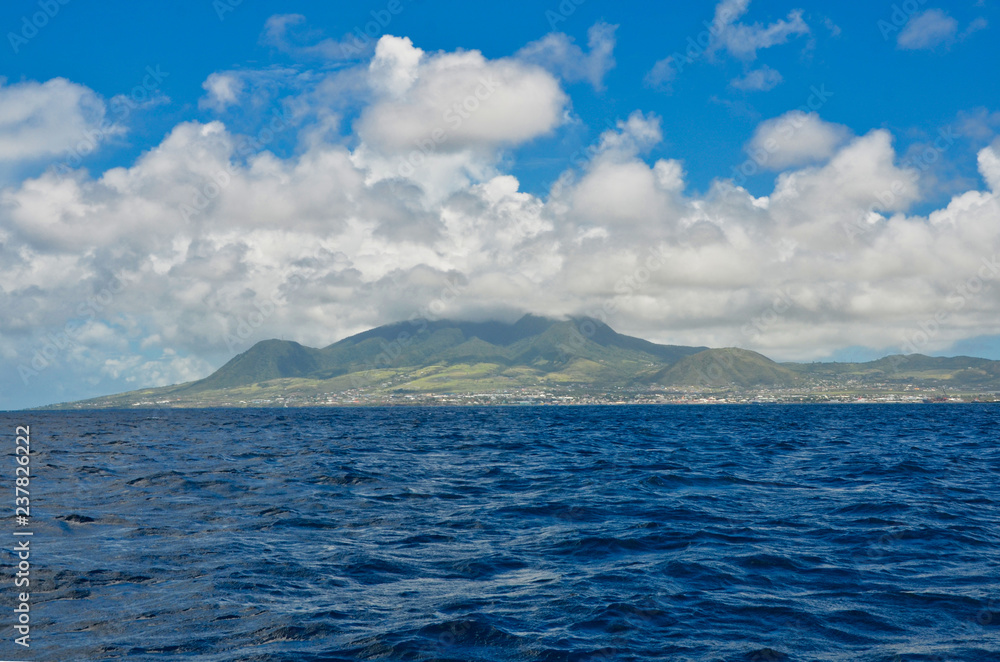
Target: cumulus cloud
{"points": [[477, 103], [160, 270], [633, 136], [557, 53], [223, 90], [441, 119], [927, 30], [728, 34], [393, 70], [620, 195], [823, 202], [989, 165], [758, 80], [794, 139], [743, 40], [39, 120]]}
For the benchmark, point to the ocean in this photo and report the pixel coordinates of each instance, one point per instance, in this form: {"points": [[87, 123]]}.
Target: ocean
{"points": [[689, 533]]}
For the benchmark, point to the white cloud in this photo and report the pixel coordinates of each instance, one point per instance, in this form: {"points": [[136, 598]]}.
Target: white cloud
{"points": [[633, 136], [332, 239], [758, 80], [974, 26], [662, 75], [393, 70], [477, 103], [441, 120], [989, 165], [824, 203], [927, 30], [360, 253], [557, 53], [795, 138], [979, 123], [743, 40], [669, 175], [40, 120], [289, 34], [224, 90]]}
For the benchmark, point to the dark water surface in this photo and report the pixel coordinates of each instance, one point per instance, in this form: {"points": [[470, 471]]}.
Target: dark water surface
{"points": [[754, 533]]}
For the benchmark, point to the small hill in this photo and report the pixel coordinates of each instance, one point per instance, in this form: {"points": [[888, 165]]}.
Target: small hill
{"points": [[935, 371], [715, 368], [267, 360]]}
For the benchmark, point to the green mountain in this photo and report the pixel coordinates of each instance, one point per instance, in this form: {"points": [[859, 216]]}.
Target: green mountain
{"points": [[575, 360], [268, 359], [532, 349], [727, 367], [955, 372]]}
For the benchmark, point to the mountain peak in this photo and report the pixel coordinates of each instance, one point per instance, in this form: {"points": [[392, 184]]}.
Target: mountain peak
{"points": [[420, 360], [534, 342]]}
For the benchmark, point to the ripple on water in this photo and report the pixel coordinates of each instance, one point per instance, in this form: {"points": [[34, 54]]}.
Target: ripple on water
{"points": [[605, 533]]}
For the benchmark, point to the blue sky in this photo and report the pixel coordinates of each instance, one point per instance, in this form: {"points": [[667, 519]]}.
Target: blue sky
{"points": [[841, 156], [913, 92]]}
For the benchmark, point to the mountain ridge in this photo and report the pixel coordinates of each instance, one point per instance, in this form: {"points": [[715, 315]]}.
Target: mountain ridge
{"points": [[579, 355]]}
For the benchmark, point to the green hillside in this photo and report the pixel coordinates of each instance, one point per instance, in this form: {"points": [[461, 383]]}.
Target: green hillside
{"points": [[532, 350], [727, 367], [945, 372], [578, 359], [267, 360]]}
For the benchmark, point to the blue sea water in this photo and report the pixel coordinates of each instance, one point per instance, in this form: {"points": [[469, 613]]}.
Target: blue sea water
{"points": [[725, 533]]}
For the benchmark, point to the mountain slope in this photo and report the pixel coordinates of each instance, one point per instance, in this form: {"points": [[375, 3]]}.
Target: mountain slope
{"points": [[726, 367], [542, 346], [580, 357], [267, 360]]}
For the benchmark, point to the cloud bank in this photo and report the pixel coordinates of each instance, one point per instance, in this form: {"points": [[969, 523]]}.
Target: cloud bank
{"points": [[154, 273]]}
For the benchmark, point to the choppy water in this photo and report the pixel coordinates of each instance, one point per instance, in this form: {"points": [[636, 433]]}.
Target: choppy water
{"points": [[755, 533]]}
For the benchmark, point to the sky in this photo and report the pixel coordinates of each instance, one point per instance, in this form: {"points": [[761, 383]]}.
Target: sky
{"points": [[179, 180]]}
